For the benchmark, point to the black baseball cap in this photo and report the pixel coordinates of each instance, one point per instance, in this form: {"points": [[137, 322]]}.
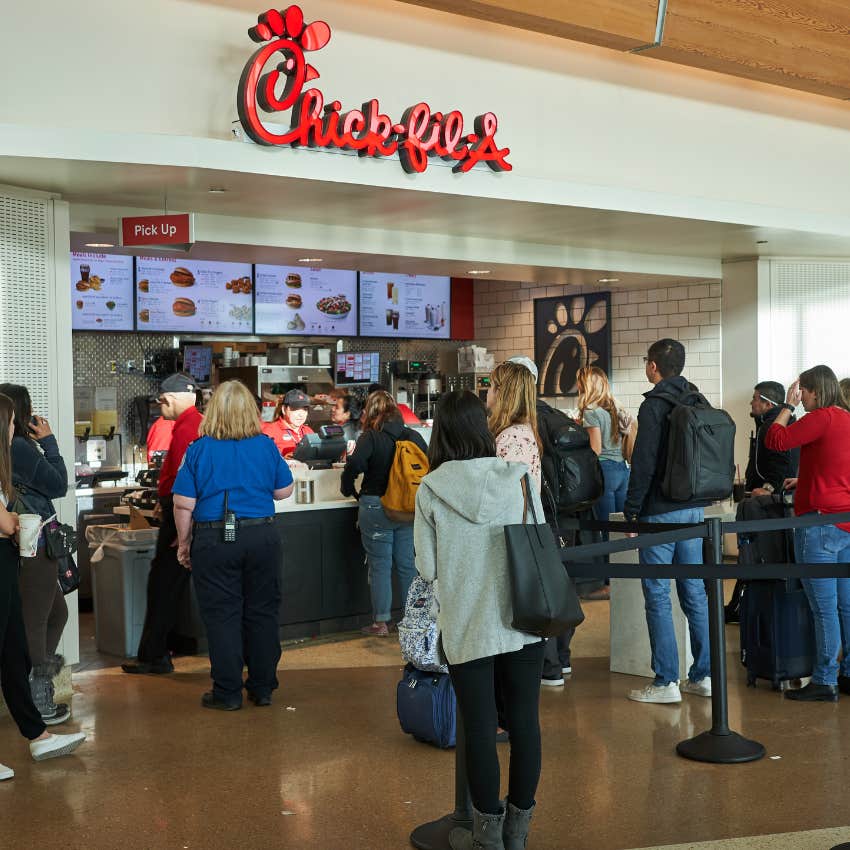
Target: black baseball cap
{"points": [[296, 399], [178, 383]]}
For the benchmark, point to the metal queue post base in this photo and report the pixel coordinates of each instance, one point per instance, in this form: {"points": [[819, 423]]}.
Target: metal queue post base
{"points": [[435, 835], [719, 745]]}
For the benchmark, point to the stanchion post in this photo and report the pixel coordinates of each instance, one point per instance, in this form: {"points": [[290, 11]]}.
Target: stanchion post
{"points": [[719, 745], [435, 835]]}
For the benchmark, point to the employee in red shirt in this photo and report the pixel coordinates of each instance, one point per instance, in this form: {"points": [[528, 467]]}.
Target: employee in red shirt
{"points": [[823, 487], [167, 580], [289, 425], [159, 436]]}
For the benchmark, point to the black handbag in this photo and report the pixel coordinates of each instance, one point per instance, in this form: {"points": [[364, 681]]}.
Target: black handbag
{"points": [[545, 602], [68, 574]]}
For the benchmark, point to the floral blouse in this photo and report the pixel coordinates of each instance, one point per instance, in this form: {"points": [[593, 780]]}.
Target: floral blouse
{"points": [[517, 443]]}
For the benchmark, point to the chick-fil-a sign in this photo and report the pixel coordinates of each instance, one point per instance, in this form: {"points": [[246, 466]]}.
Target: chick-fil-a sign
{"points": [[419, 134]]}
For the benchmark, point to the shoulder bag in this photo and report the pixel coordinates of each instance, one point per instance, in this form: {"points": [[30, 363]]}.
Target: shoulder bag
{"points": [[545, 602]]}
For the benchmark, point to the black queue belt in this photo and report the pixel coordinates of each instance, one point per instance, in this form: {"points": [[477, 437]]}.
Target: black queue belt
{"points": [[718, 745]]}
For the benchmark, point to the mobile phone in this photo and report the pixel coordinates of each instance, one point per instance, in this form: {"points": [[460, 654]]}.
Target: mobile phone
{"points": [[33, 420]]}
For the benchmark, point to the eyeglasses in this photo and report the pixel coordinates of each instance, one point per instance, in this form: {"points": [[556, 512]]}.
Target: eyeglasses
{"points": [[646, 360]]}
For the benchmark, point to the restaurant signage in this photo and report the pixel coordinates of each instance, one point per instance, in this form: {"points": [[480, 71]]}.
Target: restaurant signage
{"points": [[175, 229], [420, 134]]}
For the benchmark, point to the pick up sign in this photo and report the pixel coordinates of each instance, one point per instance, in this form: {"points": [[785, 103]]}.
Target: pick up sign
{"points": [[177, 229]]}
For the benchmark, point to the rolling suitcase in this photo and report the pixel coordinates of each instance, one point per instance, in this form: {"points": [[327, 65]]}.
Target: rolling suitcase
{"points": [[777, 632], [427, 707]]}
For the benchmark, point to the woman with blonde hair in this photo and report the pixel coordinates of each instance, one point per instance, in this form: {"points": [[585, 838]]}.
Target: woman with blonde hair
{"points": [[388, 544], [224, 511]]}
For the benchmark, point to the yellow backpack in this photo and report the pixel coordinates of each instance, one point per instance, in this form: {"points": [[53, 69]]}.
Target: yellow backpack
{"points": [[409, 467]]}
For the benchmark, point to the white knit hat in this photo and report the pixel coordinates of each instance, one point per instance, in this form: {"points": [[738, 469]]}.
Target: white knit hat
{"points": [[525, 361]]}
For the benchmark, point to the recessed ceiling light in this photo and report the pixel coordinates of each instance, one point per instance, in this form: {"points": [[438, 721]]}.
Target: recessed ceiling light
{"points": [[100, 244], [216, 190], [608, 280], [479, 271], [311, 260]]}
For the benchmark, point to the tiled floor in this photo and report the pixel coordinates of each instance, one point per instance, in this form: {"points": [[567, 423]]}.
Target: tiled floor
{"points": [[327, 767]]}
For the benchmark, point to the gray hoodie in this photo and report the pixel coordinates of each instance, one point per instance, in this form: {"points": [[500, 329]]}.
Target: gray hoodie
{"points": [[461, 511]]}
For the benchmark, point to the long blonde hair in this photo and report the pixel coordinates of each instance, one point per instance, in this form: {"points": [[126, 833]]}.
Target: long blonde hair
{"points": [[380, 409], [595, 391], [515, 401], [231, 413]]}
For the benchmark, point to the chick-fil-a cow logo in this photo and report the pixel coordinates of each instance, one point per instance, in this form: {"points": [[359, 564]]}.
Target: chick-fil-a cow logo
{"points": [[419, 135]]}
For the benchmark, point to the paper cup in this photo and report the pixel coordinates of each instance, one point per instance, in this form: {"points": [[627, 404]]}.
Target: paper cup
{"points": [[28, 535]]}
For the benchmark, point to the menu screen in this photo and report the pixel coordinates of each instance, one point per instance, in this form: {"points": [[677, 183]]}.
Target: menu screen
{"points": [[405, 305], [193, 296], [101, 292], [357, 368], [314, 302]]}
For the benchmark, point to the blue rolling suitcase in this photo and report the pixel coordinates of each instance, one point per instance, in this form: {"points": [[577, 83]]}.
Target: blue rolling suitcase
{"points": [[427, 708], [777, 632]]}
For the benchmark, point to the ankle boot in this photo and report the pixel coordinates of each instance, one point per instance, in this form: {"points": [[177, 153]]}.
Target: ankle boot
{"points": [[486, 833], [517, 822], [41, 688]]}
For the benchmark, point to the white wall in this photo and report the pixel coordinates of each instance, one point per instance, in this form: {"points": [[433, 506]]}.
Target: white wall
{"points": [[587, 126]]}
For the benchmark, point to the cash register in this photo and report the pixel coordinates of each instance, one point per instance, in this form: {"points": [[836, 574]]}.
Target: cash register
{"points": [[322, 449]]}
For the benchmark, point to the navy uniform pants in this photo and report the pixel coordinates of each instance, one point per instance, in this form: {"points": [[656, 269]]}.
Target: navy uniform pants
{"points": [[238, 590]]}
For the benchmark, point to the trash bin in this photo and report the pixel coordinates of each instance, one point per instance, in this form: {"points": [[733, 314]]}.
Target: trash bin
{"points": [[120, 563]]}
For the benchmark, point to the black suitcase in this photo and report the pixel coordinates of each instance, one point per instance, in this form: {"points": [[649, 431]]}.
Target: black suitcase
{"points": [[777, 632], [765, 547]]}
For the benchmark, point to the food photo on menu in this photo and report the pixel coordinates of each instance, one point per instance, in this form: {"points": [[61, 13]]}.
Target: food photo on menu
{"points": [[405, 305], [101, 292], [318, 302], [193, 296]]}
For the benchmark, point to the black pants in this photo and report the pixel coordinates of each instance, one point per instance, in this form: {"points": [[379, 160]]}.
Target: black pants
{"points": [[166, 584], [518, 674], [45, 611], [238, 590], [14, 655]]}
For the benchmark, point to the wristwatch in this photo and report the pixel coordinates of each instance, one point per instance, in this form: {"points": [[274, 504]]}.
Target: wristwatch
{"points": [[787, 406], [768, 486]]}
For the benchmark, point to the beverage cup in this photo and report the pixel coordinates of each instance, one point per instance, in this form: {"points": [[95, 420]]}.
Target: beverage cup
{"points": [[389, 290], [395, 319], [85, 271], [28, 535], [389, 317], [738, 491]]}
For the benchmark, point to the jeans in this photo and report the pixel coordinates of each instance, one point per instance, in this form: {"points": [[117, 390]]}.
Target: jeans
{"points": [[692, 597], [829, 598], [616, 477], [518, 674], [387, 544]]}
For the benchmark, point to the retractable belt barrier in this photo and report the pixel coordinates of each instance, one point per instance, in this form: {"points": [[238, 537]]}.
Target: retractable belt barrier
{"points": [[719, 745]]}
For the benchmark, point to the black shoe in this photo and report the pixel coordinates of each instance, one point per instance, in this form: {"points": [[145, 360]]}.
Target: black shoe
{"points": [[260, 699], [160, 667], [814, 693], [844, 684], [210, 700], [503, 737]]}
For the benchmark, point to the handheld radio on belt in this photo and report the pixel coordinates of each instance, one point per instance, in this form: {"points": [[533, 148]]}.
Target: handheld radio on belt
{"points": [[229, 523]]}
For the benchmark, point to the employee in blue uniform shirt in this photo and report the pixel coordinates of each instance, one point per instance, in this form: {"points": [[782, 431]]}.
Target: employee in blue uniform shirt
{"points": [[234, 469]]}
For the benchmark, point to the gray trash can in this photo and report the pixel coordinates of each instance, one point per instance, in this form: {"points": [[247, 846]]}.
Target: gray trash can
{"points": [[121, 561]]}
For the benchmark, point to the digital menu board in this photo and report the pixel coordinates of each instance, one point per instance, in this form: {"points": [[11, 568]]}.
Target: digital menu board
{"points": [[357, 368], [405, 305], [101, 292], [315, 302], [193, 296]]}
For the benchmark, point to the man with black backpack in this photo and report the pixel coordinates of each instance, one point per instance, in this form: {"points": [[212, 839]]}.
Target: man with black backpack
{"points": [[682, 461]]}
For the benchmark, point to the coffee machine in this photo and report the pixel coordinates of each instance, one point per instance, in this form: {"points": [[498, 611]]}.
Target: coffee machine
{"points": [[417, 384]]}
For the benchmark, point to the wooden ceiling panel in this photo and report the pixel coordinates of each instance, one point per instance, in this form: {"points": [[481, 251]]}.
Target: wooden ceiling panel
{"points": [[800, 44], [618, 24]]}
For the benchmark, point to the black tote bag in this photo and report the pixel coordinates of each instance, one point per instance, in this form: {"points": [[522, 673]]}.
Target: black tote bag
{"points": [[545, 602]]}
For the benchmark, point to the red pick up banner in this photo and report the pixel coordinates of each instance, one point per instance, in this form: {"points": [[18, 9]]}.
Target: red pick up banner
{"points": [[177, 229]]}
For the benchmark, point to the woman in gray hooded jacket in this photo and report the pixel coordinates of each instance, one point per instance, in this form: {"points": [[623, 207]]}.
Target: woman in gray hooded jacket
{"points": [[462, 508]]}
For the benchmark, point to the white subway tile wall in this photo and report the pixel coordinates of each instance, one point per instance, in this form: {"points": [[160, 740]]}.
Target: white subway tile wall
{"points": [[687, 312]]}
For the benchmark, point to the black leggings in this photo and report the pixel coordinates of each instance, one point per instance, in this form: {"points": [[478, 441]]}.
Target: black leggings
{"points": [[518, 674], [14, 656]]}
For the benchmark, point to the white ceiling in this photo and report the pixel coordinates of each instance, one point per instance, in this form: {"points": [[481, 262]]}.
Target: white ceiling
{"points": [[330, 204]]}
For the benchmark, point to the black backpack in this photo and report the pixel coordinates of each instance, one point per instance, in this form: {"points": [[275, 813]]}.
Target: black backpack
{"points": [[571, 468], [700, 461]]}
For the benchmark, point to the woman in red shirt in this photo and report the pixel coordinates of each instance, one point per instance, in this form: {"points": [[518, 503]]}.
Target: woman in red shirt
{"points": [[289, 425], [822, 486]]}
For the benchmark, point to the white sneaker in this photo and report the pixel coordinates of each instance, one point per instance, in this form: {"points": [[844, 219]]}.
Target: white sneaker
{"points": [[702, 688], [55, 746], [657, 693], [551, 681], [567, 671], [6, 772]]}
